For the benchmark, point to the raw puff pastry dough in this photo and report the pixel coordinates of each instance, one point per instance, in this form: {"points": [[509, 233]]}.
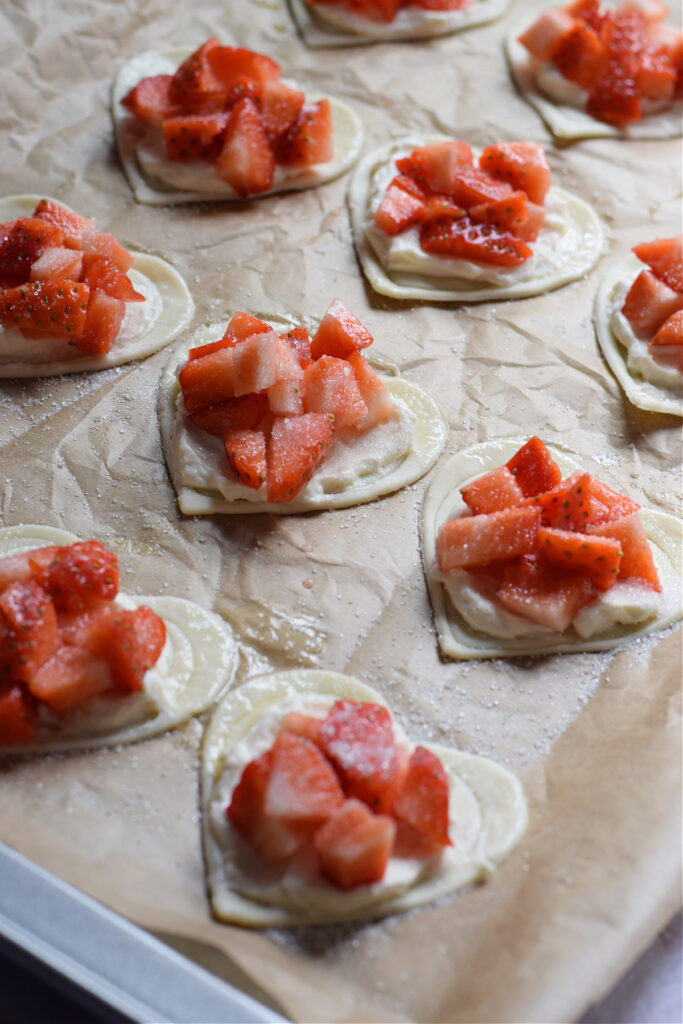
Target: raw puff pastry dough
{"points": [[196, 664], [570, 122], [459, 640], [643, 393], [325, 26], [488, 816], [142, 150], [170, 301], [429, 437], [564, 264]]}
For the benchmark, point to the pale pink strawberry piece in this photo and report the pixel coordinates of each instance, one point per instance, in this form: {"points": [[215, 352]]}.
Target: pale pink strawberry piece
{"points": [[255, 363], [542, 37], [303, 788], [374, 392], [493, 537], [545, 594], [330, 386], [58, 263], [493, 491], [354, 845]]}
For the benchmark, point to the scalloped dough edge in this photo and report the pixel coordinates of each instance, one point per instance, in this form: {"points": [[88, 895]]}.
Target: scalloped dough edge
{"points": [[428, 443], [360, 189], [497, 791], [456, 638], [317, 34], [640, 392], [347, 131], [176, 313], [199, 658]]}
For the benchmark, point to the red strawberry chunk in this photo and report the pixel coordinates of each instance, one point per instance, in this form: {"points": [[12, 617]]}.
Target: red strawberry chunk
{"points": [[656, 76], [302, 725], [664, 257], [534, 468], [227, 341], [580, 56], [103, 318], [358, 738], [508, 214], [82, 574], [103, 244], [493, 491], [234, 63], [530, 229], [195, 83], [246, 452], [543, 36], [71, 676], [330, 386], [422, 800], [17, 713], [615, 97], [473, 187], [339, 333], [477, 540], [57, 264], [354, 845], [637, 563], [243, 325], [399, 208], [193, 136], [246, 160], [29, 630], [99, 273], [74, 226], [523, 165], [234, 414], [434, 167], [309, 140], [29, 565], [280, 106], [545, 594], [589, 12], [671, 331], [483, 243], [300, 342], [151, 100], [271, 840], [376, 395], [57, 308], [207, 381], [297, 447], [303, 788], [581, 502], [135, 641], [595, 557], [649, 303], [27, 239], [441, 209]]}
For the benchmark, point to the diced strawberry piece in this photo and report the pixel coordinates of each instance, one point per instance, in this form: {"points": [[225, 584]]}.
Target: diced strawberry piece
{"points": [[285, 398], [483, 243], [530, 229], [615, 97], [302, 725], [193, 136], [303, 788], [329, 386], [649, 303], [243, 325], [582, 502], [103, 244], [476, 540], [195, 82], [434, 167], [56, 307], [358, 738], [57, 264], [99, 273], [544, 594], [339, 333], [280, 106], [135, 641], [234, 63], [439, 209], [671, 331], [664, 257], [595, 557], [589, 11], [82, 574], [207, 381], [227, 341], [637, 563], [28, 238], [243, 413], [354, 845], [298, 446], [523, 165], [74, 226], [649, 10], [103, 318], [86, 627], [399, 208], [71, 676], [246, 160], [422, 800], [493, 491], [300, 342], [271, 840], [543, 36], [151, 100], [30, 634], [29, 565], [473, 187], [534, 468], [509, 213], [243, 88], [580, 56], [17, 713], [255, 363], [656, 76], [373, 391], [309, 140], [246, 452]]}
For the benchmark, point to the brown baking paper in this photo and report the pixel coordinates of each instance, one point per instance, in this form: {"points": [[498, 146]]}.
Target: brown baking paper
{"points": [[594, 737]]}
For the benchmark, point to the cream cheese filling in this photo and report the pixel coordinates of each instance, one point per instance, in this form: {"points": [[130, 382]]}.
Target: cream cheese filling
{"points": [[487, 816], [195, 666], [472, 624], [569, 244]]}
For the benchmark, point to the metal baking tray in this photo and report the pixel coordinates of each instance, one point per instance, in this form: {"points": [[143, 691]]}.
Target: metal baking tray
{"points": [[99, 957]]}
